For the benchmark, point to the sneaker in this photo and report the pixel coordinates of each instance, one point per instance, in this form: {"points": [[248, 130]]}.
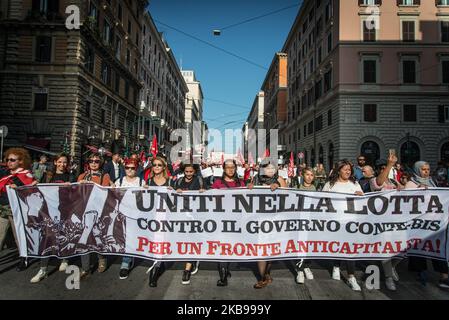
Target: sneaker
{"points": [[101, 265], [389, 283], [84, 275], [124, 273], [353, 284], [444, 284], [308, 273], [22, 265], [41, 275], [195, 267], [395, 275], [63, 266], [186, 276], [300, 277], [336, 273]]}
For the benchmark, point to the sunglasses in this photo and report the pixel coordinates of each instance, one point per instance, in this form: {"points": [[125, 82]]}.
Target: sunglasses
{"points": [[130, 168], [11, 160], [361, 159], [94, 161], [158, 165]]}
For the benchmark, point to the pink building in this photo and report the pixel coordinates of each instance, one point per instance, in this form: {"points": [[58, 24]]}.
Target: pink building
{"points": [[366, 76]]}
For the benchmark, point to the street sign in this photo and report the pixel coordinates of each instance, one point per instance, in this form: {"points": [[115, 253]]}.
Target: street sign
{"points": [[3, 131], [301, 155]]}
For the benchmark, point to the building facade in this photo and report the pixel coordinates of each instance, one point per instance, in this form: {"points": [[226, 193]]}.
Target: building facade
{"points": [[162, 99], [368, 76], [255, 122], [84, 88]]}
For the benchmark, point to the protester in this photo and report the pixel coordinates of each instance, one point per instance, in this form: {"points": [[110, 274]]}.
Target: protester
{"points": [[191, 181], [342, 181], [114, 168], [440, 175], [384, 182], [129, 180], [303, 270], [361, 162], [368, 174], [94, 174], [267, 176], [320, 176], [158, 178], [40, 168], [18, 163], [229, 179], [60, 174], [421, 179]]}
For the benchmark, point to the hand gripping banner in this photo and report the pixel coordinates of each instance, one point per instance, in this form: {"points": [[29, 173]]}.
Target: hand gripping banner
{"points": [[229, 225]]}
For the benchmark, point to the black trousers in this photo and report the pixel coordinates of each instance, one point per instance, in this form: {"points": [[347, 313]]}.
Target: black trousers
{"points": [[417, 264], [350, 266]]}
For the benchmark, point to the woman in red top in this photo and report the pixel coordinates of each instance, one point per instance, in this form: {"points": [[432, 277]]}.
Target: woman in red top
{"points": [[230, 179], [17, 174]]}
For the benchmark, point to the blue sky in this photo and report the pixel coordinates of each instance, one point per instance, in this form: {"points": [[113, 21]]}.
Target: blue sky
{"points": [[224, 77]]}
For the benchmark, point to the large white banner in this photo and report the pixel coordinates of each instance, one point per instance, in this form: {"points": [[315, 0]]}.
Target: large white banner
{"points": [[238, 224]]}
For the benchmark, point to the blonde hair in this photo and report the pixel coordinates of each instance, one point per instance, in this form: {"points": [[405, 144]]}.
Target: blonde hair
{"points": [[164, 171]]}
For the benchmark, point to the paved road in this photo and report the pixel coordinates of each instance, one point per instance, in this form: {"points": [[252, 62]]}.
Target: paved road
{"points": [[16, 285]]}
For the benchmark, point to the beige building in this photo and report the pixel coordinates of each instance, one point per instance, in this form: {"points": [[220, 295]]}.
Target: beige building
{"points": [[368, 76]]}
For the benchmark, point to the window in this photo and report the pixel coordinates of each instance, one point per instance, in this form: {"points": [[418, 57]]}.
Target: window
{"points": [[129, 26], [329, 118], [117, 83], [94, 13], [370, 112], [107, 39], [40, 101], [369, 71], [126, 90], [329, 43], [118, 47], [319, 123], [370, 2], [120, 13], [409, 2], [445, 71], [444, 31], [328, 80], [88, 108], [328, 11], [105, 73], [310, 127], [103, 116], [408, 31], [128, 57], [89, 59], [369, 31], [320, 55], [443, 114], [410, 113], [409, 71], [43, 49], [443, 3], [305, 131]]}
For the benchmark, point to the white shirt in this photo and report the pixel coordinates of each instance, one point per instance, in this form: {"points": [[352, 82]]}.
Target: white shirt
{"points": [[116, 169], [126, 183], [343, 187]]}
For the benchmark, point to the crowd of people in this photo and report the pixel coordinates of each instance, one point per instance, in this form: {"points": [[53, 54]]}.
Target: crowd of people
{"points": [[345, 177]]}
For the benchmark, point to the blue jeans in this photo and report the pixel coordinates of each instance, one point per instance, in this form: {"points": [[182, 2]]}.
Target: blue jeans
{"points": [[127, 262]]}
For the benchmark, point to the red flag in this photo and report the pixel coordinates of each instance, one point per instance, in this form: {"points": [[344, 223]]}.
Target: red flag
{"points": [[267, 153], [142, 157], [250, 159], [291, 166], [154, 148], [240, 157]]}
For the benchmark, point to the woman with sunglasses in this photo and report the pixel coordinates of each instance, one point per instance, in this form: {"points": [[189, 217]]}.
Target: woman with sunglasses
{"points": [[191, 181], [342, 180], [60, 174], [17, 174], [129, 180], [158, 178], [228, 180], [267, 176], [94, 174]]}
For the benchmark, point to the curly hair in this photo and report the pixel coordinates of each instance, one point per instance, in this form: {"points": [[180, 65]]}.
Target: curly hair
{"points": [[22, 154]]}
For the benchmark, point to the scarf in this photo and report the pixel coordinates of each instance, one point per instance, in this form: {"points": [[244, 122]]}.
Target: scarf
{"points": [[23, 175], [417, 179]]}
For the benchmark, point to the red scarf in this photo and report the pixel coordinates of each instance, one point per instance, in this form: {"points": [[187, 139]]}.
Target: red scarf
{"points": [[23, 175]]}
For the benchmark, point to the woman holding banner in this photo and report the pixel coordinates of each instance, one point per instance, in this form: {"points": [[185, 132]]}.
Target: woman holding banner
{"points": [[421, 179], [342, 181], [94, 174], [229, 180], [158, 178], [267, 176], [60, 174], [17, 174], [129, 180], [191, 181]]}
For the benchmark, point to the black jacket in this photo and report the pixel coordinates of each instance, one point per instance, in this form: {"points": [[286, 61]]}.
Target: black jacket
{"points": [[109, 169]]}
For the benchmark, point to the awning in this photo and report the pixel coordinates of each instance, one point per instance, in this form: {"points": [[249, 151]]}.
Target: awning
{"points": [[39, 143]]}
